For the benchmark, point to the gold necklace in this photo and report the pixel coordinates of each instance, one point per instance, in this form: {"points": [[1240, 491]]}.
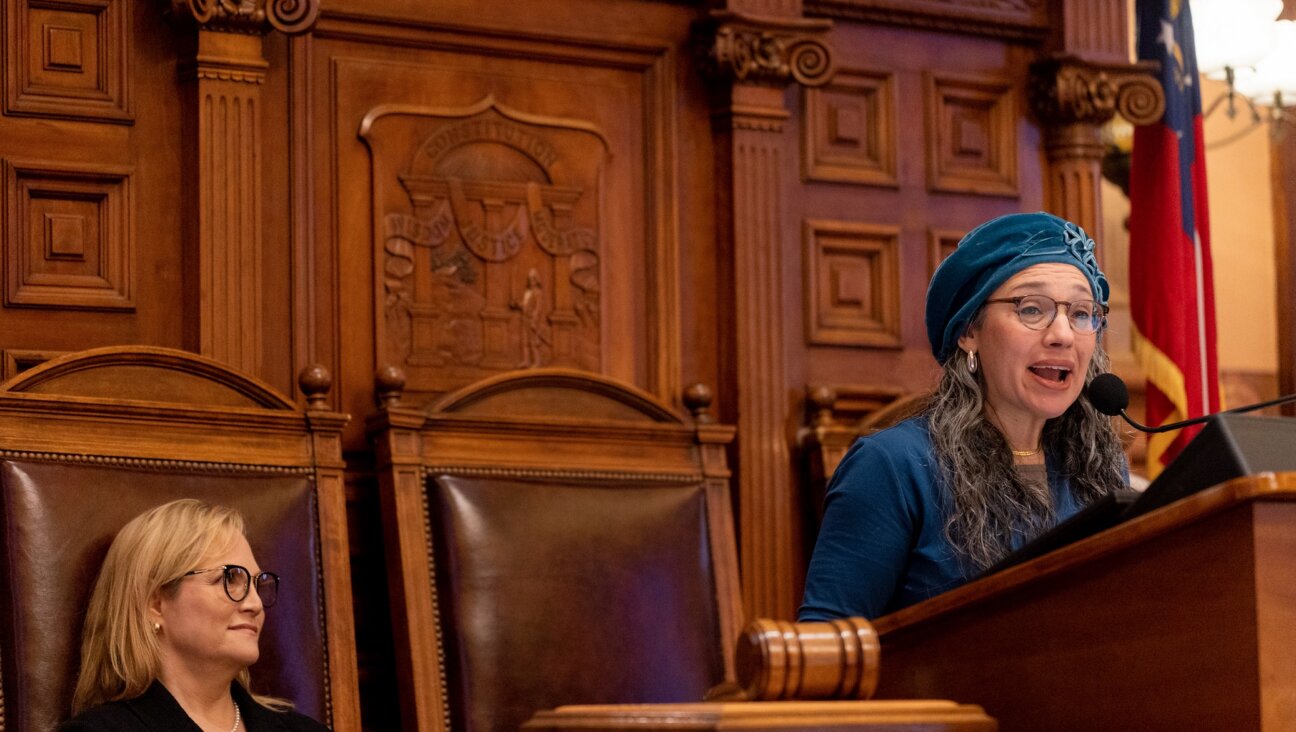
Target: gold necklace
{"points": [[1025, 453]]}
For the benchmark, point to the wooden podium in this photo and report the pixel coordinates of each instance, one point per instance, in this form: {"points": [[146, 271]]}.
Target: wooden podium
{"points": [[1184, 618]]}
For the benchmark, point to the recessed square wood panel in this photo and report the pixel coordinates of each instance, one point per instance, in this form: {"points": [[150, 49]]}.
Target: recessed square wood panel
{"points": [[852, 284], [849, 131], [971, 135], [940, 244], [63, 48], [67, 58], [68, 240], [17, 361]]}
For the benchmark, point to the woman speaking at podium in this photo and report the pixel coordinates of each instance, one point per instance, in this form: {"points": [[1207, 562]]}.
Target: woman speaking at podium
{"points": [[1004, 450]]}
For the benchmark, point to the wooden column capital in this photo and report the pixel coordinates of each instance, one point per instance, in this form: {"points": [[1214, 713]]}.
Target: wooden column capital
{"points": [[1073, 98], [1067, 90], [753, 49], [256, 17]]}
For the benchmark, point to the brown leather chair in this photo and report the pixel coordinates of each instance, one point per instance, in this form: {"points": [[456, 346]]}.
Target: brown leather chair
{"points": [[92, 439], [554, 537]]}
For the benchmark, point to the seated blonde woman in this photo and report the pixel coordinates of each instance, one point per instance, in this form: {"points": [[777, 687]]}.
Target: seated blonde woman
{"points": [[173, 624]]}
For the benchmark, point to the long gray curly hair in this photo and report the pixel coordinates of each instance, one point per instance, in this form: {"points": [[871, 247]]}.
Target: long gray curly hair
{"points": [[990, 507]]}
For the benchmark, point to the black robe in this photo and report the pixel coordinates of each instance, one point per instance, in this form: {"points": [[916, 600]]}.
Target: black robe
{"points": [[157, 710]]}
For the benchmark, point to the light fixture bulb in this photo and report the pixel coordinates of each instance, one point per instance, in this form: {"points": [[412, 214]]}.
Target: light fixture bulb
{"points": [[1232, 34], [1276, 72]]}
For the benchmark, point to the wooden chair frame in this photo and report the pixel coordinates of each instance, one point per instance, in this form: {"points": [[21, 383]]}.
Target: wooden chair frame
{"points": [[504, 427], [157, 408]]}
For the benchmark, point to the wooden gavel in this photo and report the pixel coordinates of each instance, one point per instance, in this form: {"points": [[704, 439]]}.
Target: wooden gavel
{"points": [[776, 659]]}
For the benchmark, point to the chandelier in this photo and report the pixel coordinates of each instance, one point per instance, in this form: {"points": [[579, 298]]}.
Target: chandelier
{"points": [[1242, 43]]}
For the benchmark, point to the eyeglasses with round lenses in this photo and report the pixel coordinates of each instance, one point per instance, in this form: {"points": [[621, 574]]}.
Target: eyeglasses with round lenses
{"points": [[1038, 312], [238, 579]]}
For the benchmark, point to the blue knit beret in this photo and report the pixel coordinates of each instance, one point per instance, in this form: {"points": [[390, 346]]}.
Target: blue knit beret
{"points": [[988, 256]]}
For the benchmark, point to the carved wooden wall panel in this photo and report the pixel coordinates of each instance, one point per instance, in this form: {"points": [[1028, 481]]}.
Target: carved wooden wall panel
{"points": [[972, 134], [849, 134], [490, 228], [852, 277], [497, 204], [92, 200], [68, 58], [68, 239]]}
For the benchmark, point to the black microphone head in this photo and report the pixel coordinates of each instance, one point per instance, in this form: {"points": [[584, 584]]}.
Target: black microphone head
{"points": [[1108, 394]]}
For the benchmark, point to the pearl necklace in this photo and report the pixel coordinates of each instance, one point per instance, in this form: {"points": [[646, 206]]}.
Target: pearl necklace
{"points": [[238, 718]]}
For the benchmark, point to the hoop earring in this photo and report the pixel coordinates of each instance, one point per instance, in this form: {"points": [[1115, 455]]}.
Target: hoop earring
{"points": [[972, 362]]}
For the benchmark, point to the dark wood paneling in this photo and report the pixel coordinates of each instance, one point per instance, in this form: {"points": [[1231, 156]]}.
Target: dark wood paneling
{"points": [[448, 238], [91, 144]]}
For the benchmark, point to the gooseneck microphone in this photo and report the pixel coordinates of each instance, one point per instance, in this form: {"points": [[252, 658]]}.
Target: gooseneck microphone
{"points": [[1109, 395]]}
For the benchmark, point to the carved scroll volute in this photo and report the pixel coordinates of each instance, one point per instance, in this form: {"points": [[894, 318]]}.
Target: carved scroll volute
{"points": [[1073, 99], [1070, 91], [290, 17], [772, 52]]}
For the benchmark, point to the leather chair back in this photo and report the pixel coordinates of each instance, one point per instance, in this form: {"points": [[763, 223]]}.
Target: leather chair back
{"points": [[558, 593], [99, 461], [58, 520], [554, 538]]}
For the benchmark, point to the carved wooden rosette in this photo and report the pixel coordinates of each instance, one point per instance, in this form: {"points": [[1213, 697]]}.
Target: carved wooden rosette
{"points": [[749, 62], [1074, 99], [224, 240]]}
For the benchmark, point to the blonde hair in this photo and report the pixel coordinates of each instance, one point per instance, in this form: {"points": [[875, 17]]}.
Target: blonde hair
{"points": [[120, 653]]}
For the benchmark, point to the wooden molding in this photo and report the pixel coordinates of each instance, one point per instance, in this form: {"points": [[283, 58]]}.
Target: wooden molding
{"points": [[852, 276], [68, 59], [1282, 167], [849, 132], [971, 134], [69, 239], [1026, 20], [17, 361], [940, 243]]}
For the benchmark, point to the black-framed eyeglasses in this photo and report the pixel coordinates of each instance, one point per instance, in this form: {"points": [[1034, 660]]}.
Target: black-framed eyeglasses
{"points": [[1038, 312], [238, 579]]}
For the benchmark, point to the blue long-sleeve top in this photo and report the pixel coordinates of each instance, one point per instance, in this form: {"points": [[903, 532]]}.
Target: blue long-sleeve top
{"points": [[882, 544]]}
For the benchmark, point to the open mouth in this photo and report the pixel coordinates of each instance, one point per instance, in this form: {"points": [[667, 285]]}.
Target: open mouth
{"points": [[1056, 374]]}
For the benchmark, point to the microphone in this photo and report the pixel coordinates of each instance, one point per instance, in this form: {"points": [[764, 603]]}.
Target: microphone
{"points": [[1109, 395]]}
